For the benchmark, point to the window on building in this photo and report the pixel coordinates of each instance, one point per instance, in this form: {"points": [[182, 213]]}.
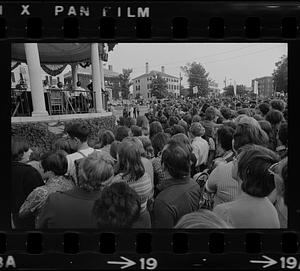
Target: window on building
{"points": [[13, 79], [58, 79]]}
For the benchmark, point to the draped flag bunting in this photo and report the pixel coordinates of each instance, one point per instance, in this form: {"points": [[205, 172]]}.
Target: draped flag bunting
{"points": [[53, 70], [14, 64]]}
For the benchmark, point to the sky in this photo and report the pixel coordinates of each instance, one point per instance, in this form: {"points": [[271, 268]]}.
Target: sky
{"points": [[240, 62]]}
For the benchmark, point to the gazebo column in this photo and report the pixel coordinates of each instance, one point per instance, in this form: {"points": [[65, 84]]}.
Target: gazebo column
{"points": [[97, 77], [35, 76], [74, 67]]}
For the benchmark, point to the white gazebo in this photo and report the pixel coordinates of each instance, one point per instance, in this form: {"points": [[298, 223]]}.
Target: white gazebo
{"points": [[57, 54]]}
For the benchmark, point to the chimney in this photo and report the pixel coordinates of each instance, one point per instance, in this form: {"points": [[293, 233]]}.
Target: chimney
{"points": [[163, 69], [110, 67], [147, 67]]}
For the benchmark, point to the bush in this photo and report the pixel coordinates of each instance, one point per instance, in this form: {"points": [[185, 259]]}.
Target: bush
{"points": [[40, 138]]}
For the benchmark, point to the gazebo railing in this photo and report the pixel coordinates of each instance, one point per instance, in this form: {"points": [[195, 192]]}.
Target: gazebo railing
{"points": [[58, 102]]}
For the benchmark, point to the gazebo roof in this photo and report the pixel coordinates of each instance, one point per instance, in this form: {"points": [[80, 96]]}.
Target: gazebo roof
{"points": [[55, 53]]}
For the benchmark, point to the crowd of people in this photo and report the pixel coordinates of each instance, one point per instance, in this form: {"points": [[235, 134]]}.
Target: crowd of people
{"points": [[187, 163]]}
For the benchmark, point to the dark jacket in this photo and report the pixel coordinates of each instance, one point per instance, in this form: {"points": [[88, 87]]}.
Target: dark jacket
{"points": [[69, 209], [24, 179], [179, 197]]}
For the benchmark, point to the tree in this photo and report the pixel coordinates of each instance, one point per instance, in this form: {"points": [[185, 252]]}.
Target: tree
{"points": [[116, 87], [158, 87], [240, 90], [280, 75], [197, 76], [125, 82]]}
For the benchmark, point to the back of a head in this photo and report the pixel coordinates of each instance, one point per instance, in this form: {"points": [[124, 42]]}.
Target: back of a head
{"points": [[246, 119], [266, 126], [244, 111], [183, 124], [128, 122], [142, 122], [202, 219], [264, 108], [253, 164], [176, 159], [225, 136], [121, 132], [136, 130], [118, 207], [277, 105], [55, 162], [65, 144], [283, 133], [159, 141], [210, 113], [226, 112], [95, 172], [78, 130], [114, 149], [196, 118], [274, 117], [247, 133], [155, 127], [129, 160], [107, 137], [177, 129], [137, 142], [145, 141], [197, 129], [173, 120], [18, 147]]}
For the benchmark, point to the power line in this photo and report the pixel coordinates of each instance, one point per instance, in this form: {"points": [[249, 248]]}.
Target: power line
{"points": [[211, 55], [252, 53]]}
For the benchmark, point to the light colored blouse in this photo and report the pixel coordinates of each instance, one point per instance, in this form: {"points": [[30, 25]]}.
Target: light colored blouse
{"points": [[249, 212]]}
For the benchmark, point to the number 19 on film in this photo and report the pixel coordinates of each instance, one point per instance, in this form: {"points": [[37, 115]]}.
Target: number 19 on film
{"points": [[289, 263]]}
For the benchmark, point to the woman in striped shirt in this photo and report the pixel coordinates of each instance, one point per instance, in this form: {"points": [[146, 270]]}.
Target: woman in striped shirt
{"points": [[130, 169]]}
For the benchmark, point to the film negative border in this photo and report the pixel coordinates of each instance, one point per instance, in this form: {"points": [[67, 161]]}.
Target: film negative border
{"points": [[151, 251], [151, 21], [162, 21]]}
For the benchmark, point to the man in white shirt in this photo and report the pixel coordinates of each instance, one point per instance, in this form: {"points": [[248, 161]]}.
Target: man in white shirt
{"points": [[79, 133], [199, 145]]}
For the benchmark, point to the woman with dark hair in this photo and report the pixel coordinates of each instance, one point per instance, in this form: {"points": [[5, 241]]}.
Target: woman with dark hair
{"points": [[73, 208], [264, 108], [158, 142], [252, 208], [155, 127], [24, 179], [121, 132], [275, 117], [131, 170], [220, 180], [118, 207], [181, 194], [55, 166], [136, 130], [224, 151], [105, 140], [149, 151], [143, 122], [282, 138]]}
